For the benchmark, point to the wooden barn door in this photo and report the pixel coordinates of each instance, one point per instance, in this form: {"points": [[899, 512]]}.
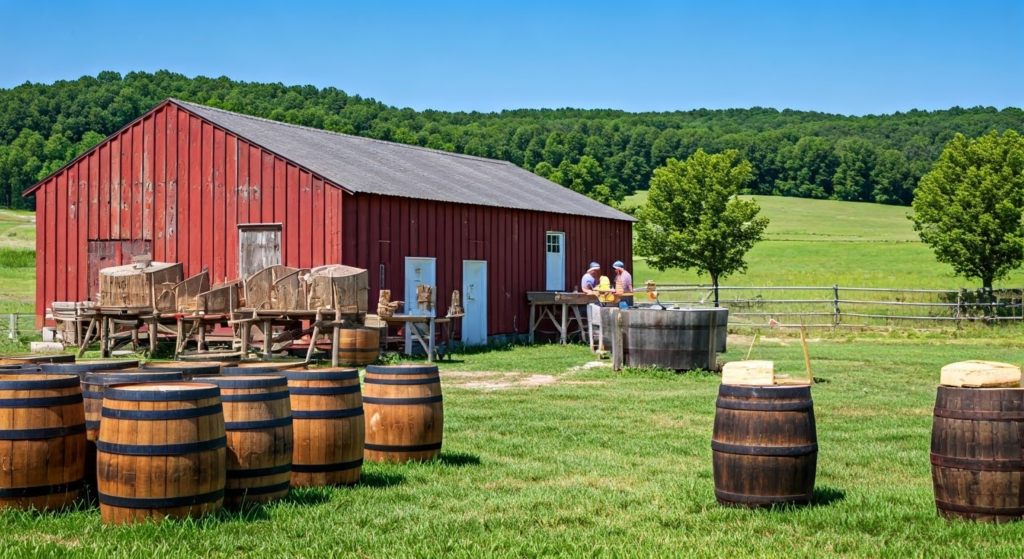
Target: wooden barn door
{"points": [[259, 247], [105, 254]]}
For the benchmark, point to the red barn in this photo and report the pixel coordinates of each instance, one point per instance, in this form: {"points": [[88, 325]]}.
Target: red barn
{"points": [[181, 180]]}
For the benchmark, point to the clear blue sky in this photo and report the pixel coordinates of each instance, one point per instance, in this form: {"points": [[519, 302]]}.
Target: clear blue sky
{"points": [[845, 57]]}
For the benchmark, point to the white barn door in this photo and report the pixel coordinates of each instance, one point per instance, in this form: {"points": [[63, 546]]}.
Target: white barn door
{"points": [[474, 302], [419, 271], [555, 249]]}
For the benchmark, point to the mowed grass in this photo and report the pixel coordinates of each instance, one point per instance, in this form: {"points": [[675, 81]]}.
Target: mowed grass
{"points": [[17, 283], [543, 458], [17, 229], [825, 242]]}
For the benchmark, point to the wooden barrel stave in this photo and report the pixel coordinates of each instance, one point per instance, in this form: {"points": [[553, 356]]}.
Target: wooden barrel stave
{"points": [[42, 441], [258, 422], [358, 346], [187, 370], [404, 413], [977, 453], [327, 419], [764, 446], [161, 452], [80, 368]]}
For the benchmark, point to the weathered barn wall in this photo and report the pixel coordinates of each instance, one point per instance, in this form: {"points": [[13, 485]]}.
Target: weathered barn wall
{"points": [[184, 185], [384, 230]]}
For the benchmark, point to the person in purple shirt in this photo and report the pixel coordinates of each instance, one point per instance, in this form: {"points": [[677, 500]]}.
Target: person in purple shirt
{"points": [[590, 279], [624, 281]]}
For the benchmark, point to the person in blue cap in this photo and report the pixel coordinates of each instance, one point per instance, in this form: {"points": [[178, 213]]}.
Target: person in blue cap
{"points": [[623, 285], [590, 279]]}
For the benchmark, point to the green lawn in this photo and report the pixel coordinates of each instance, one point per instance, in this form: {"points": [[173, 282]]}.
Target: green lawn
{"points": [[543, 459], [17, 229], [825, 242]]}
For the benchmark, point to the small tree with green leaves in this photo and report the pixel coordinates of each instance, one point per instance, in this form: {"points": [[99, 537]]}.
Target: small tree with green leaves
{"points": [[693, 218], [969, 207]]}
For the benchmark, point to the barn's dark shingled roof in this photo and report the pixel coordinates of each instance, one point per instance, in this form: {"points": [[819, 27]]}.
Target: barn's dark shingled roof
{"points": [[365, 165]]}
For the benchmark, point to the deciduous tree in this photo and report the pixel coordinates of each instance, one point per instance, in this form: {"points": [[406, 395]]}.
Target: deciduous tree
{"points": [[694, 219], [969, 207]]}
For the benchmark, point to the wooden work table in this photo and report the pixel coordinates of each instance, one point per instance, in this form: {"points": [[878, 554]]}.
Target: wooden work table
{"points": [[426, 340], [561, 308]]}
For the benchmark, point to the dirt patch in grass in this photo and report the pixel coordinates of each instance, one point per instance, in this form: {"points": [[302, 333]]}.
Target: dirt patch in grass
{"points": [[491, 380]]}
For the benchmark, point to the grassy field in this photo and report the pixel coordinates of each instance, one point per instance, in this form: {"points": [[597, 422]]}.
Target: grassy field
{"points": [[17, 283], [825, 242], [543, 458]]}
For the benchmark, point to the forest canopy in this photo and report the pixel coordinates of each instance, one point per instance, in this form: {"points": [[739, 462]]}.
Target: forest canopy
{"points": [[605, 154]]}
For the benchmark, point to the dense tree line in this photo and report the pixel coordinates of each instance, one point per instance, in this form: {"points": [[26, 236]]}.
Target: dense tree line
{"points": [[605, 154]]}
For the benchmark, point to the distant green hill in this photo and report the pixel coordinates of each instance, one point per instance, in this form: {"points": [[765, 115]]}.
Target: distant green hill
{"points": [[825, 242]]}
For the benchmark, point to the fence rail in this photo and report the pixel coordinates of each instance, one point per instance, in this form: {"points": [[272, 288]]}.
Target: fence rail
{"points": [[836, 306]]}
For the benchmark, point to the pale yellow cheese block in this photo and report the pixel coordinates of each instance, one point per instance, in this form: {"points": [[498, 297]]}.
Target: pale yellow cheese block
{"points": [[749, 373], [980, 374]]}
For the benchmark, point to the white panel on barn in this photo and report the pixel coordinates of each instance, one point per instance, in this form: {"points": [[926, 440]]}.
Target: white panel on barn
{"points": [[474, 302]]}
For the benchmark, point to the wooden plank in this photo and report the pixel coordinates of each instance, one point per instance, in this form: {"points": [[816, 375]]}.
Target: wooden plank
{"points": [[104, 194], [208, 199], [83, 229], [70, 236], [62, 241], [318, 222], [137, 212], [194, 227], [171, 178], [267, 192], [93, 161], [980, 374], [280, 190], [243, 182], [255, 185], [181, 222], [231, 200], [159, 177], [292, 225], [147, 186], [115, 187], [218, 220], [307, 224]]}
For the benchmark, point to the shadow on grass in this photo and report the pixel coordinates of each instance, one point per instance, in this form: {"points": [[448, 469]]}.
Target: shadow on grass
{"points": [[819, 380], [308, 496], [379, 479], [458, 459], [247, 512], [825, 496]]}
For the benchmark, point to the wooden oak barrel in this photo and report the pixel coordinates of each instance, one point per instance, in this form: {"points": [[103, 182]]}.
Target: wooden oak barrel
{"points": [[358, 346], [42, 441], [279, 364], [765, 446], [258, 421], [92, 395], [188, 371], [977, 453], [162, 452], [80, 368], [674, 339], [37, 359], [327, 420], [404, 412]]}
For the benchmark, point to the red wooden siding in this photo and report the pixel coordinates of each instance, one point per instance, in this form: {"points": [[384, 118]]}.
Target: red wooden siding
{"points": [[384, 230], [175, 180]]}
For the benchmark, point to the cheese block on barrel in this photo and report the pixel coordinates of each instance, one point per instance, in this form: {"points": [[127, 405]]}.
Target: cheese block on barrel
{"points": [[980, 374], [750, 373]]}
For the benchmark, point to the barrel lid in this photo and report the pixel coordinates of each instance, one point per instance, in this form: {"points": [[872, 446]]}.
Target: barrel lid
{"points": [[90, 366], [323, 374], [37, 381], [105, 378], [161, 392], [249, 381], [402, 369]]}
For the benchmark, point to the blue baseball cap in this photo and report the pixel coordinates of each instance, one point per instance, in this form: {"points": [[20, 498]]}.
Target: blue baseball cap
{"points": [[618, 264], [594, 266]]}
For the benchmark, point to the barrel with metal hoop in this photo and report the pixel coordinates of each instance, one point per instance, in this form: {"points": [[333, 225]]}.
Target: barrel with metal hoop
{"points": [[258, 422], [764, 446], [977, 453], [42, 441], [161, 452], [327, 420], [80, 368], [404, 412], [188, 370]]}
